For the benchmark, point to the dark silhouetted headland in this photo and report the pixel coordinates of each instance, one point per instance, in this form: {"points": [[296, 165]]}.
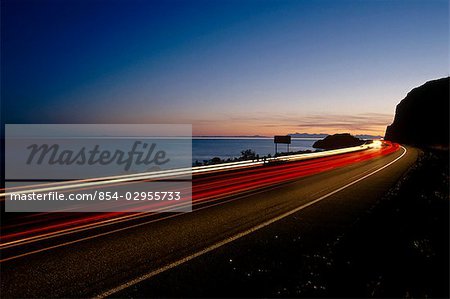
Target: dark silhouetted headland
{"points": [[422, 118], [323, 135], [338, 141]]}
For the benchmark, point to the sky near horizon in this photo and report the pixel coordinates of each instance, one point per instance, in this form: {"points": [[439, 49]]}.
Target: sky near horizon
{"points": [[227, 67]]}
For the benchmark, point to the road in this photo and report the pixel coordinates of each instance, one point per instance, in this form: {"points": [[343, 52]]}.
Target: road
{"points": [[104, 260]]}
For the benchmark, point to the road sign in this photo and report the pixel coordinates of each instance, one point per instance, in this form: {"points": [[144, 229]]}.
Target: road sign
{"points": [[282, 139]]}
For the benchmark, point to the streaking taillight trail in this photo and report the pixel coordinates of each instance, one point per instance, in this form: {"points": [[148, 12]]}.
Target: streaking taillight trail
{"points": [[209, 184]]}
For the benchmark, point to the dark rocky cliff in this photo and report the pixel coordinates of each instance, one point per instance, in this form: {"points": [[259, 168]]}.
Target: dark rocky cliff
{"points": [[422, 118]]}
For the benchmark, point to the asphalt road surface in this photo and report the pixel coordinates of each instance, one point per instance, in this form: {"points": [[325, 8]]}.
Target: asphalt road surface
{"points": [[109, 261]]}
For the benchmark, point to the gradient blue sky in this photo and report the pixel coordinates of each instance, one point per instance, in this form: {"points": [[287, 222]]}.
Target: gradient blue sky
{"points": [[227, 67]]}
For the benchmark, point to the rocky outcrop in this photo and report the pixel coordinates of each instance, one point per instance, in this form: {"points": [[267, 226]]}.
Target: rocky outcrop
{"points": [[422, 117], [338, 141]]}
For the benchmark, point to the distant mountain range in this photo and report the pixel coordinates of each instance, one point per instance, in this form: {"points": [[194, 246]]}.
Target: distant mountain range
{"points": [[307, 135]]}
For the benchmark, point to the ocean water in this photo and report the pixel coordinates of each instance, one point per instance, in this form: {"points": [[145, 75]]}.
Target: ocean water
{"points": [[224, 148]]}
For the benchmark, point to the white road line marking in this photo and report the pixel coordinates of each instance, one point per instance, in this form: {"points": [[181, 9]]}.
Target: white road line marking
{"points": [[238, 236]]}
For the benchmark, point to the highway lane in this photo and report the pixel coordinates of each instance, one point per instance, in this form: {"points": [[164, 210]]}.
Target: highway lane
{"points": [[292, 257], [207, 187], [94, 265]]}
